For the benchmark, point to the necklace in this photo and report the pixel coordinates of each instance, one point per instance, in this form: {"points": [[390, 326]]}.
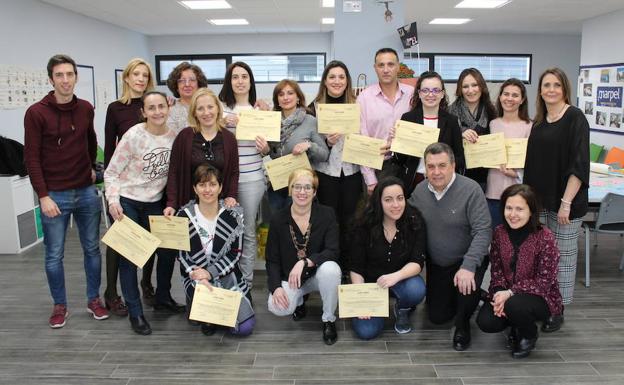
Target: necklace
{"points": [[301, 247], [554, 118]]}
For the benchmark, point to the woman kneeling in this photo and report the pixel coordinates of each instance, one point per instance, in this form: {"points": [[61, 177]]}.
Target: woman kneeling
{"points": [[524, 287], [388, 248], [301, 254], [216, 234]]}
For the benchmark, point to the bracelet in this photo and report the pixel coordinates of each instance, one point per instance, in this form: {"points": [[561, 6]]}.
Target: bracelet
{"points": [[566, 202]]}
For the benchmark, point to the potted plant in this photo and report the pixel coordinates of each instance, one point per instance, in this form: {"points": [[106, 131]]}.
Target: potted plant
{"points": [[406, 75]]}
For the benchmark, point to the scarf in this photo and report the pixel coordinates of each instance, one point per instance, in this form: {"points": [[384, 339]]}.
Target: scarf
{"points": [[466, 119], [290, 124]]}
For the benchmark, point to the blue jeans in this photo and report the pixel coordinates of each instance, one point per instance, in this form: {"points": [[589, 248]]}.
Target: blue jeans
{"points": [[85, 206], [408, 293], [140, 212], [494, 206]]}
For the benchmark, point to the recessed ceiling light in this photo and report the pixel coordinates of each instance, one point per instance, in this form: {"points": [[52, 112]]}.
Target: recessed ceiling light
{"points": [[449, 21], [482, 3], [205, 4], [228, 21], [328, 3], [328, 20]]}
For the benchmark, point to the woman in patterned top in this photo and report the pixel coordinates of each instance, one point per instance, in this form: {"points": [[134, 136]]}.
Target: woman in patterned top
{"points": [[183, 81], [524, 287], [135, 181], [216, 234]]}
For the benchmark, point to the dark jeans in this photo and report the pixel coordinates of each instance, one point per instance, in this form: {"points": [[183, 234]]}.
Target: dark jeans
{"points": [[494, 207], [342, 194], [278, 199], [444, 301], [408, 293], [521, 310], [139, 212]]}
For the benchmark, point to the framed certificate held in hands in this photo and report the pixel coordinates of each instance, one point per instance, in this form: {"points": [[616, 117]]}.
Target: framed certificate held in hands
{"points": [[338, 118], [215, 305], [362, 300], [363, 150], [131, 240], [173, 232], [412, 138], [488, 150], [252, 123], [279, 169]]}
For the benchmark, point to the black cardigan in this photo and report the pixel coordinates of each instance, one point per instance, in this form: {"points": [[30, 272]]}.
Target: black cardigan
{"points": [[450, 133], [281, 254]]}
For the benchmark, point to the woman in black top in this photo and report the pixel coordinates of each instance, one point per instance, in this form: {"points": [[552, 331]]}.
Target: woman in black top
{"points": [[389, 249], [301, 254], [340, 183], [557, 167], [429, 107], [474, 110]]}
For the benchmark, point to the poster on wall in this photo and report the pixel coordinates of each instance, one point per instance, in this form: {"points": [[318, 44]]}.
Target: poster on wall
{"points": [[600, 96]]}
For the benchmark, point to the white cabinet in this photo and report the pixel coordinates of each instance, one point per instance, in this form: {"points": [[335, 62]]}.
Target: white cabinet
{"points": [[20, 226]]}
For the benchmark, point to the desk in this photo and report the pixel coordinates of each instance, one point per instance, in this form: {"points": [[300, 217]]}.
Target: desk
{"points": [[602, 184]]}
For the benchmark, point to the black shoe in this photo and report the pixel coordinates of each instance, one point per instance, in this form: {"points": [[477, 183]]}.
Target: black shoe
{"points": [[524, 347], [170, 306], [208, 329], [553, 323], [329, 333], [300, 312], [140, 325], [461, 339], [512, 338]]}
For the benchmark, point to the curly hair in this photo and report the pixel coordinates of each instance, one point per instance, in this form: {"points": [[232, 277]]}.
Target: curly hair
{"points": [[176, 74]]}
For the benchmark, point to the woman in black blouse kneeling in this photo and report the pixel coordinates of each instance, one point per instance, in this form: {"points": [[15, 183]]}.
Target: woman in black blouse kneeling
{"points": [[301, 254], [388, 248]]}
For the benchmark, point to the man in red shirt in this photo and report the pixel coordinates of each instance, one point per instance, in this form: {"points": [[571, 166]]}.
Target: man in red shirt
{"points": [[60, 146]]}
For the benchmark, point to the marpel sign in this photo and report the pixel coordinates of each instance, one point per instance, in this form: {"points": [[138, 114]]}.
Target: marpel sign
{"points": [[609, 97]]}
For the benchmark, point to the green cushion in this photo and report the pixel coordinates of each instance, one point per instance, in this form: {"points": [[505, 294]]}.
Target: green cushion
{"points": [[99, 157], [594, 152]]}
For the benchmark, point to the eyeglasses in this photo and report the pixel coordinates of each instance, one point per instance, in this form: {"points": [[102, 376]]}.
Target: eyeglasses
{"points": [[187, 81], [427, 91], [302, 187], [208, 154]]}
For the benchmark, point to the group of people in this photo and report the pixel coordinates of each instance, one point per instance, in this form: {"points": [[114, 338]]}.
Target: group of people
{"points": [[166, 156]]}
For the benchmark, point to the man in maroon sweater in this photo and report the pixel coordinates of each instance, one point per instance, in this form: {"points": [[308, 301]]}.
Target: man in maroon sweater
{"points": [[60, 146]]}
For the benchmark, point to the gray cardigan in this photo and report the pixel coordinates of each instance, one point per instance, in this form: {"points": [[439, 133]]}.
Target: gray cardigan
{"points": [[307, 131], [458, 225]]}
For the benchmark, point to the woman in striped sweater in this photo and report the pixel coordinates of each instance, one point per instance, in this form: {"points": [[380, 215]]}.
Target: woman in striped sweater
{"points": [[216, 247]]}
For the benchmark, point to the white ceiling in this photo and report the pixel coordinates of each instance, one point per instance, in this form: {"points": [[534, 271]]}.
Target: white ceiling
{"points": [[167, 17]]}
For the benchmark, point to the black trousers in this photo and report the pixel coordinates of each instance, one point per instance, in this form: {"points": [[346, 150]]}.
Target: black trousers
{"points": [[521, 310], [445, 302], [342, 194]]}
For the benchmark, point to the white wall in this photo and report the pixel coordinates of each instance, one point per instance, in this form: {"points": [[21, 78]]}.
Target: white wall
{"points": [[548, 50], [245, 43], [602, 44], [34, 31]]}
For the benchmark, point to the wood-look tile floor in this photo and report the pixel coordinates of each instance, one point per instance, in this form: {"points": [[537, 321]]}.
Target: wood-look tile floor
{"points": [[589, 349]]}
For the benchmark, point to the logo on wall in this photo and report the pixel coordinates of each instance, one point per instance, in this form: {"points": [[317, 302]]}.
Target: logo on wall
{"points": [[609, 97]]}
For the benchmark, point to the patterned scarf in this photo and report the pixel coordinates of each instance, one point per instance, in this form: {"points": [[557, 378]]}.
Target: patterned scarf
{"points": [[290, 124], [466, 119]]}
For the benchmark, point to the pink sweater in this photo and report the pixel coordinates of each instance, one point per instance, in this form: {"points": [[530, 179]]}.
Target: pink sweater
{"points": [[139, 167]]}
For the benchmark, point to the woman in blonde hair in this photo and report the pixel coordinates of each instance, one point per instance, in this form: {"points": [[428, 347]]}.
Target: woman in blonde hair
{"points": [[301, 254], [204, 141], [120, 116]]}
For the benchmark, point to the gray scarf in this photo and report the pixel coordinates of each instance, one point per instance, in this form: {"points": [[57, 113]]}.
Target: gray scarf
{"points": [[466, 119], [290, 124]]}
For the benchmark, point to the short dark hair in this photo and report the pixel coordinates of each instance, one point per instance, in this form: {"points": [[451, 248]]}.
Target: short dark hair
{"points": [[386, 50], [205, 172], [227, 93], [176, 74], [415, 102], [526, 192], [439, 148], [60, 59]]}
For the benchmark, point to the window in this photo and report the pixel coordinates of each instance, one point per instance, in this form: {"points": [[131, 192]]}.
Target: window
{"points": [[267, 68], [494, 67]]}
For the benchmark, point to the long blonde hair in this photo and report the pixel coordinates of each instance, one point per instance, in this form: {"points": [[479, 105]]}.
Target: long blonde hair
{"points": [[193, 109], [540, 105], [126, 90]]}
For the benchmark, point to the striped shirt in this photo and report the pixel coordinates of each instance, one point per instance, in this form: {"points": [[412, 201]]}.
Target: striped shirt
{"points": [[249, 159]]}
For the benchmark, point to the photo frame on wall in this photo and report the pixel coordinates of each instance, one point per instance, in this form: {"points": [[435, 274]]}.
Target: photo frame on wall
{"points": [[85, 87], [600, 96], [118, 83]]}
